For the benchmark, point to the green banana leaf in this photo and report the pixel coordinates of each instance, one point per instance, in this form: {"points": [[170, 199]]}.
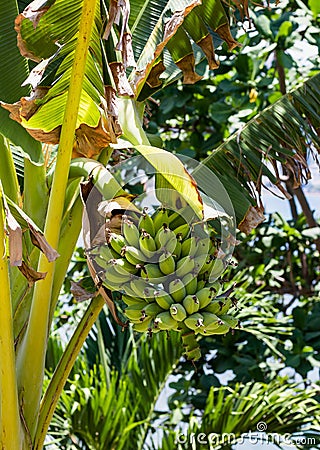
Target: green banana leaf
{"points": [[286, 132], [14, 70]]}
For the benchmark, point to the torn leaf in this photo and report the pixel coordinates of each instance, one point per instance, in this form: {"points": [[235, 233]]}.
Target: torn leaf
{"points": [[40, 241], [252, 219], [15, 237], [31, 274], [82, 290], [120, 79]]}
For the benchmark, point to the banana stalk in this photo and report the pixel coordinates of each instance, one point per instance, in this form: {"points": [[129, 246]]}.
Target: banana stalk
{"points": [[31, 357], [9, 411]]}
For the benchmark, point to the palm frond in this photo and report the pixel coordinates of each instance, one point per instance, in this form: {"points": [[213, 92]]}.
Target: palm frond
{"points": [[286, 133]]}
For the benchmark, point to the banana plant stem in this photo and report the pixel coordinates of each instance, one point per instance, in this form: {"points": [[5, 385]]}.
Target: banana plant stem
{"points": [[9, 410], [63, 369], [31, 357]]}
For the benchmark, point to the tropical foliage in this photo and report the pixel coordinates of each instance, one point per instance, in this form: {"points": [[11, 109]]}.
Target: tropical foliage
{"points": [[75, 56]]}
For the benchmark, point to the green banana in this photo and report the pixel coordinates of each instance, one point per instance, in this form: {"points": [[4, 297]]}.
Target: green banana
{"points": [[142, 327], [140, 287], [229, 320], [178, 312], [166, 239], [202, 247], [130, 232], [146, 223], [189, 246], [116, 241], [221, 329], [210, 319], [214, 306], [177, 290], [204, 296], [114, 279], [152, 273], [123, 266], [183, 230], [216, 270], [152, 309], [194, 322], [167, 263], [159, 218], [108, 253], [147, 245], [177, 249], [191, 304], [164, 321], [190, 282], [135, 312], [130, 301], [133, 255], [163, 299], [200, 284], [184, 266]]}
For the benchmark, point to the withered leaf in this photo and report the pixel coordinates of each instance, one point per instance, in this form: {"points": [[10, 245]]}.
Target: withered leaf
{"points": [[90, 141], [252, 219], [225, 34], [15, 237], [206, 44], [80, 293], [120, 79], [187, 65], [31, 274], [40, 241]]}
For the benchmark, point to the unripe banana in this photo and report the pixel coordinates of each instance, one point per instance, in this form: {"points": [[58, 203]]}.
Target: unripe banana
{"points": [[164, 321], [167, 263], [114, 279], [163, 299], [176, 220], [221, 329], [178, 312], [122, 266], [183, 230], [128, 300], [152, 273], [184, 266], [189, 246], [210, 319], [216, 270], [130, 232], [107, 253], [229, 320], [194, 322], [225, 305], [159, 218], [203, 246], [201, 284], [152, 309], [207, 265], [135, 312], [204, 296], [215, 287], [214, 306], [146, 223], [142, 327], [177, 249], [190, 282], [116, 241], [200, 263], [147, 245], [133, 255], [166, 239], [140, 287], [191, 304], [177, 290]]}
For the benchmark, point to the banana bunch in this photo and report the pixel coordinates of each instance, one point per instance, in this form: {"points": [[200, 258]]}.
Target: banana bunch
{"points": [[167, 271]]}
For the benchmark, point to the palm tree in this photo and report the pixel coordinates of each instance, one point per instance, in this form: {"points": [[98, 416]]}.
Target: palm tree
{"points": [[83, 98]]}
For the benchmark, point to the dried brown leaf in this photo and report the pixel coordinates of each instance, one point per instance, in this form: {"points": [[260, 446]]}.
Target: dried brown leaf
{"points": [[31, 274], [225, 34], [254, 216], [33, 12], [80, 294], [187, 65], [15, 237], [120, 79], [207, 46], [40, 241], [153, 79], [90, 141]]}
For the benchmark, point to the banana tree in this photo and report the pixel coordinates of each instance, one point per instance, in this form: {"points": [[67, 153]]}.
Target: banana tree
{"points": [[83, 98]]}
